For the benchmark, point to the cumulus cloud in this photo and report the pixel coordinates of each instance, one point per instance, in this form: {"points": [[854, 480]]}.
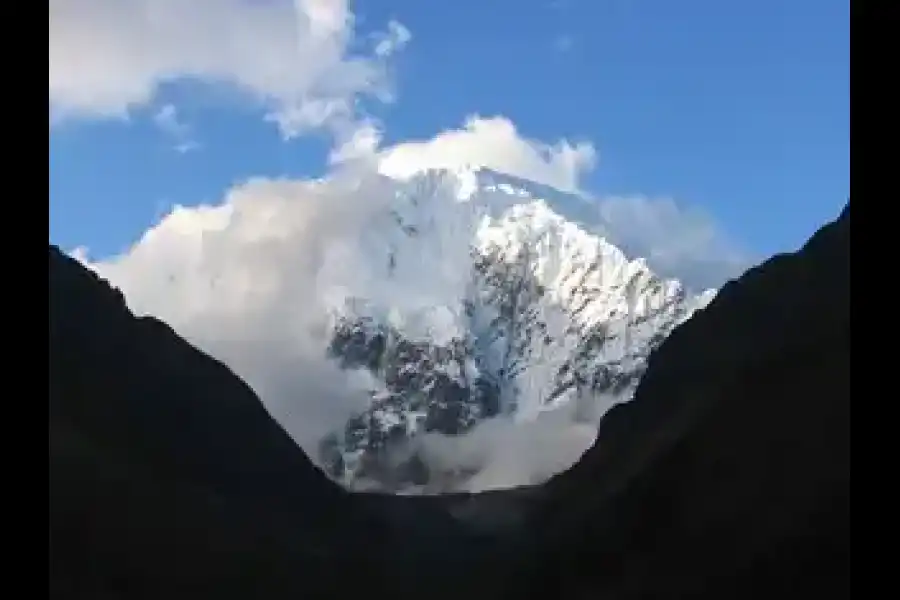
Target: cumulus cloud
{"points": [[245, 280], [295, 58], [494, 143], [491, 142], [254, 280], [677, 241], [361, 145]]}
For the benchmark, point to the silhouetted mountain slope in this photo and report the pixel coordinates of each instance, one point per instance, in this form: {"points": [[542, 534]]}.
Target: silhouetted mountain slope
{"points": [[167, 475], [100, 351], [169, 479], [728, 475], [120, 529]]}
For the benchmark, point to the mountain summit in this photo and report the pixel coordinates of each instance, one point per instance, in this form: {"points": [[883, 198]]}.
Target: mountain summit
{"points": [[496, 297]]}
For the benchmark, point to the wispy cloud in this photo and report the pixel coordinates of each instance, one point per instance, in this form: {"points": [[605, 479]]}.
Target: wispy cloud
{"points": [[169, 122], [293, 58], [253, 280]]}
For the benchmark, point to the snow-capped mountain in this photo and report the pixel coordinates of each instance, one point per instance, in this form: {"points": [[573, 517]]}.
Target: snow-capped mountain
{"points": [[497, 297]]}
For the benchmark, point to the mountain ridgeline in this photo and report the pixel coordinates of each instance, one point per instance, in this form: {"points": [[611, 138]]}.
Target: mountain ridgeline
{"points": [[543, 313], [726, 476]]}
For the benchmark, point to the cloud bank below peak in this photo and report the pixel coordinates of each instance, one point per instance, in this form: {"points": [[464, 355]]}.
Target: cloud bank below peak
{"points": [[252, 278], [249, 279]]}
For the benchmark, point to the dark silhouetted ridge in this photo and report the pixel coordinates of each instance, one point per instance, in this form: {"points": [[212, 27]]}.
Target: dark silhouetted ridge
{"points": [[727, 476], [167, 475], [127, 380]]}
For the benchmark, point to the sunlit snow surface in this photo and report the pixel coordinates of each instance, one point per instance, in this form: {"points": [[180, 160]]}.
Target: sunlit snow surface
{"points": [[479, 281]]}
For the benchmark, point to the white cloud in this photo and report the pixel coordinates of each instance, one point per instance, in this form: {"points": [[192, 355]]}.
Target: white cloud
{"points": [[170, 123], [504, 453], [395, 38], [294, 58], [251, 281], [362, 143], [677, 241], [494, 143], [245, 280]]}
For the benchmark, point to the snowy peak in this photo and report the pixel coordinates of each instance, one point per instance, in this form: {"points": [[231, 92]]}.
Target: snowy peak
{"points": [[495, 191], [493, 296]]}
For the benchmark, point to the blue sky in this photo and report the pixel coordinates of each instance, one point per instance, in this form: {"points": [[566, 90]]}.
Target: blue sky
{"points": [[738, 108]]}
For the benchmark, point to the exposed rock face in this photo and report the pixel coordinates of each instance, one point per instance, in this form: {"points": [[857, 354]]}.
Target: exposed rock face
{"points": [[532, 309]]}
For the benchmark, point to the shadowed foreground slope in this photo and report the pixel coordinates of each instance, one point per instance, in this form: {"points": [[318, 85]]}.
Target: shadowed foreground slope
{"points": [[167, 475], [727, 476], [165, 470]]}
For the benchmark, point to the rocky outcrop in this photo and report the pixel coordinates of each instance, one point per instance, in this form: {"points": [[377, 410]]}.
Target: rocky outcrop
{"points": [[531, 309]]}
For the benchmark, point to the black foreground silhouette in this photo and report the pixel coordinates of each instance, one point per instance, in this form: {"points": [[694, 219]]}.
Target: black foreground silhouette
{"points": [[728, 475]]}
